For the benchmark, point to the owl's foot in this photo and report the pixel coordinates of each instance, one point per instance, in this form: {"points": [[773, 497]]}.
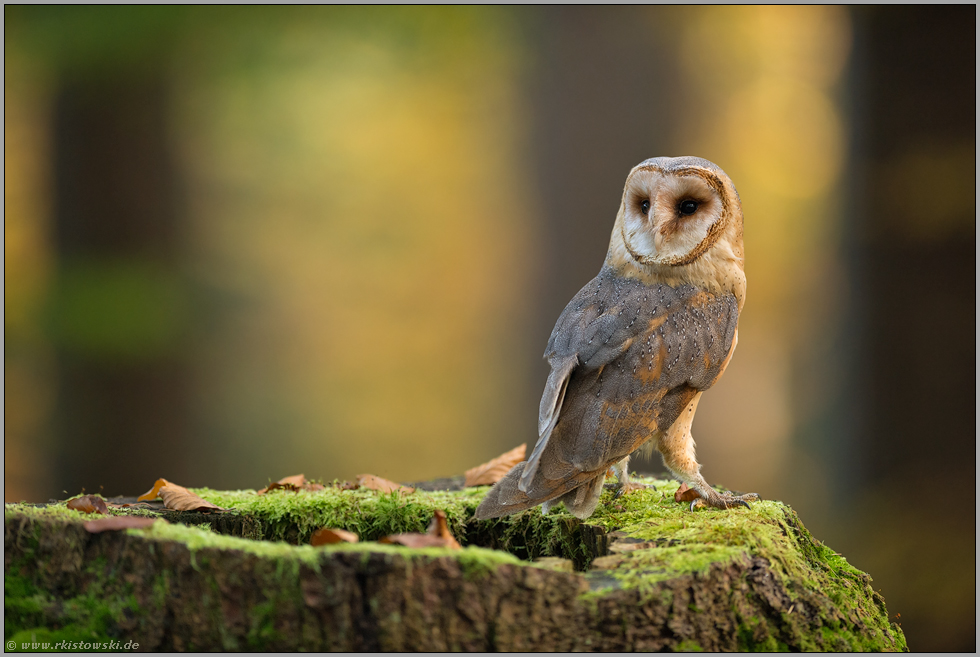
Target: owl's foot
{"points": [[725, 500]]}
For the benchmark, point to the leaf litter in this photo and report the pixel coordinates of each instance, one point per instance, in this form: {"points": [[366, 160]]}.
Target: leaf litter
{"points": [[89, 504], [330, 535], [437, 536], [177, 498], [293, 483], [494, 470], [373, 482]]}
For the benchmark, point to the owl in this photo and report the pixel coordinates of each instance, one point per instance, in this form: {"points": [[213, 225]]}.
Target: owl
{"points": [[634, 350]]}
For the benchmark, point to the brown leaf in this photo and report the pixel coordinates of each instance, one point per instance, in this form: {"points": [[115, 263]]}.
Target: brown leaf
{"points": [[346, 485], [293, 483], [685, 494], [276, 486], [413, 540], [177, 498], [372, 482], [440, 528], [326, 536], [115, 523], [88, 504], [493, 471], [296, 480], [154, 492], [437, 536]]}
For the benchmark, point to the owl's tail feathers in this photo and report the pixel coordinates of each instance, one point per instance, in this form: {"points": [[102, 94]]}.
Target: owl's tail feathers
{"points": [[582, 501], [551, 401], [506, 497]]}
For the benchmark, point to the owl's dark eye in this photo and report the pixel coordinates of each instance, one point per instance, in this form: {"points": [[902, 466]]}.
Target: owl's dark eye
{"points": [[688, 207], [645, 207]]}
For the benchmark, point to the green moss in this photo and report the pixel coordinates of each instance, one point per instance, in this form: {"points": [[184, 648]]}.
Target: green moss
{"points": [[32, 615], [57, 511], [688, 646], [682, 542], [23, 605], [42, 639], [472, 560], [643, 569], [294, 516]]}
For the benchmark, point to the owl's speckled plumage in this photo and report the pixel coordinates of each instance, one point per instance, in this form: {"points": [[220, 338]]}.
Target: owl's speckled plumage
{"points": [[635, 348]]}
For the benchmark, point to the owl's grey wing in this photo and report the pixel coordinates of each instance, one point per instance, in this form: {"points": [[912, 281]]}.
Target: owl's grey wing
{"points": [[550, 409], [591, 331]]}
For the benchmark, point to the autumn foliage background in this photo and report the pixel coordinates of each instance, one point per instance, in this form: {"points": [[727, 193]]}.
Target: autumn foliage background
{"points": [[242, 243]]}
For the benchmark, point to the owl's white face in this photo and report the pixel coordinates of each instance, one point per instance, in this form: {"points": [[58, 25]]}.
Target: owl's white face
{"points": [[671, 217], [680, 223]]}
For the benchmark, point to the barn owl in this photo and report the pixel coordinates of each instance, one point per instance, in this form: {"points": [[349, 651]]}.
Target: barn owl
{"points": [[634, 350]]}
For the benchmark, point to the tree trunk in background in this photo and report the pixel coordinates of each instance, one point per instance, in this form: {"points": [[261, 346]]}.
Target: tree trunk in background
{"points": [[913, 250], [918, 243], [585, 140], [116, 314]]}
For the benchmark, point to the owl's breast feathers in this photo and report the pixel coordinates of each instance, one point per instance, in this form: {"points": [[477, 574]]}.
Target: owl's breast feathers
{"points": [[626, 358]]}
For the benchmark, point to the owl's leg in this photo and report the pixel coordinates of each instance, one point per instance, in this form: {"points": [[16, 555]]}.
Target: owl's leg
{"points": [[676, 445], [620, 469]]}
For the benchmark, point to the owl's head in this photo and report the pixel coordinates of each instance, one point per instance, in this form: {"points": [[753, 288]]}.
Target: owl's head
{"points": [[680, 222]]}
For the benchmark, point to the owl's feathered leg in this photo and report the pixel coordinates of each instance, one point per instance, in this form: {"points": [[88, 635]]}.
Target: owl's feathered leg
{"points": [[676, 445], [621, 470]]}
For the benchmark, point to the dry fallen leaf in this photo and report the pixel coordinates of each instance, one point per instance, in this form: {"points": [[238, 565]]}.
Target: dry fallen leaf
{"points": [[414, 540], [439, 527], [438, 536], [154, 492], [372, 482], [88, 504], [326, 536], [178, 498], [685, 494], [293, 483], [296, 480], [115, 523], [493, 471]]}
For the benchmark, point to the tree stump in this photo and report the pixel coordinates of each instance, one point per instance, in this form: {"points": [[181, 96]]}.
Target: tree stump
{"points": [[644, 573]]}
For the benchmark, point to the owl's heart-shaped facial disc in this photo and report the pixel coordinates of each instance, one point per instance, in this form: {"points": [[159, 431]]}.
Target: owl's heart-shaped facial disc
{"points": [[671, 217]]}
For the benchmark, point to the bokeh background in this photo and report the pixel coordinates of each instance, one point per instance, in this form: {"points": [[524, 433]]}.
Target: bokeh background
{"points": [[242, 243]]}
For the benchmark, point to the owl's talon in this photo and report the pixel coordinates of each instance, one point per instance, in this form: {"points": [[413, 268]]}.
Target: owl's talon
{"points": [[725, 501]]}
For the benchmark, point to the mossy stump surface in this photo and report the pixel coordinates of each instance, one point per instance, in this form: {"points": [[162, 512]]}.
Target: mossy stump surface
{"points": [[644, 573]]}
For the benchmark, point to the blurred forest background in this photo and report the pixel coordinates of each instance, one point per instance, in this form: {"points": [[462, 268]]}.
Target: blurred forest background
{"points": [[243, 243]]}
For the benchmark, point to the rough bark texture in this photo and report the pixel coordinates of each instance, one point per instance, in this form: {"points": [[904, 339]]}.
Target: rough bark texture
{"points": [[185, 588]]}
